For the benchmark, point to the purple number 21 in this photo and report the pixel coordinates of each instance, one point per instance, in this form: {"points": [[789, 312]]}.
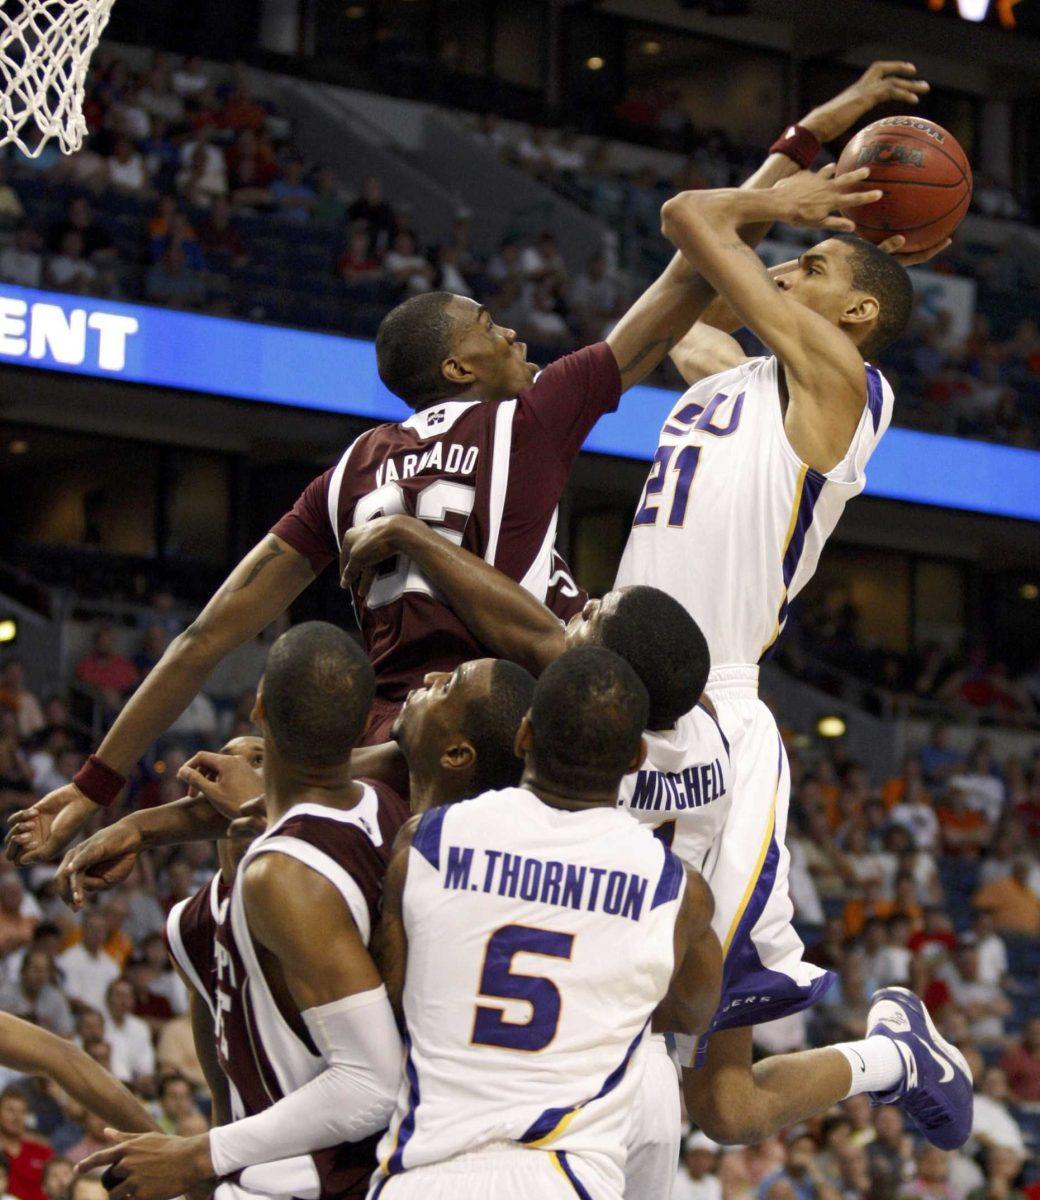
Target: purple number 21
{"points": [[684, 466]]}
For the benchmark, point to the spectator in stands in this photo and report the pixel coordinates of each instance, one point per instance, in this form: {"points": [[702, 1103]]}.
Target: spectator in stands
{"points": [[18, 699], [564, 154], [891, 1153], [35, 996], [293, 196], [372, 208], [532, 151], [165, 981], [15, 770], [359, 264], [26, 1157], [86, 969], [799, 1171], [697, 1178], [992, 952], [594, 296], [58, 1177], [916, 814], [984, 1004], [175, 1102], [175, 1051], [153, 646], [178, 231], [993, 1124], [1003, 1167], [97, 244], [133, 1059], [17, 920], [199, 182], [407, 267], [241, 109], [249, 190], [172, 283], [220, 240], [1012, 901], [11, 210], [964, 830], [543, 324], [21, 262], [69, 270], [329, 206], [111, 675], [93, 1138], [1021, 1064], [504, 265], [190, 77], [931, 1179], [125, 169], [542, 262], [448, 276], [939, 759]]}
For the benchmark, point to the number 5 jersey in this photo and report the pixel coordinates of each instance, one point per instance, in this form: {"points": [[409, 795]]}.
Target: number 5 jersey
{"points": [[486, 475], [539, 944]]}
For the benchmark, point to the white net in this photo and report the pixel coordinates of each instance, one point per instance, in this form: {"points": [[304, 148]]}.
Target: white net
{"points": [[45, 49]]}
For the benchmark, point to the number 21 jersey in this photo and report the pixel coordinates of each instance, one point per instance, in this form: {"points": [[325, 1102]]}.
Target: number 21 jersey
{"points": [[486, 475], [731, 522]]}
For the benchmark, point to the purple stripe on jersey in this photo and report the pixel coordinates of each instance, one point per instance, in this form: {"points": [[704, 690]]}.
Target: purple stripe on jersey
{"points": [[379, 1187], [395, 1165], [575, 1182], [812, 486], [670, 881], [427, 836], [725, 740], [544, 1124], [875, 396]]}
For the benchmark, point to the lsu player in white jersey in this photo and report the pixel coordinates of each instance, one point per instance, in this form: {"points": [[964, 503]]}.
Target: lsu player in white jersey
{"points": [[682, 790], [754, 467], [530, 937]]}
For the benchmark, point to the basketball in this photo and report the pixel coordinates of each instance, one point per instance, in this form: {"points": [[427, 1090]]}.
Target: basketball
{"points": [[924, 174]]}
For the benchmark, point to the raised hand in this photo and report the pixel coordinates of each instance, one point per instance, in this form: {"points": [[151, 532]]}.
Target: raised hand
{"points": [[811, 199], [42, 831], [882, 82], [893, 244], [227, 781]]}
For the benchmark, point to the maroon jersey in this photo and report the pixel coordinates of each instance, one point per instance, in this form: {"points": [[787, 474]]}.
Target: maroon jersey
{"points": [[262, 1055], [488, 476]]}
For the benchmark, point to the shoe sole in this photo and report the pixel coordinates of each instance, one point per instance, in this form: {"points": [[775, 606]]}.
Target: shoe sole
{"points": [[951, 1052]]}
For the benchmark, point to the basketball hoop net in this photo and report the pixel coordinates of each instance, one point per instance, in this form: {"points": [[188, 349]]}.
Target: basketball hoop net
{"points": [[45, 51]]}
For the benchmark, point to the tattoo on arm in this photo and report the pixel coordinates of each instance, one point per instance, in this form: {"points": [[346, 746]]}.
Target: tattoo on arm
{"points": [[659, 347], [274, 551]]}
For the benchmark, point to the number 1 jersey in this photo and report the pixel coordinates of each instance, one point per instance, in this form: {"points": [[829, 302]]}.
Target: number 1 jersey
{"points": [[486, 475]]}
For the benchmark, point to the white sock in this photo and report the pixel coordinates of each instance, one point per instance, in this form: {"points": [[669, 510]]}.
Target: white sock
{"points": [[876, 1064]]}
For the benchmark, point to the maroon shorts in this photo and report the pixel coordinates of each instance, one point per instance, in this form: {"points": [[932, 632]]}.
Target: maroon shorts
{"points": [[380, 720]]}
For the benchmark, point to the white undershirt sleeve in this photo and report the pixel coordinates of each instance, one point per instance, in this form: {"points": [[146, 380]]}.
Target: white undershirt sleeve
{"points": [[351, 1099]]}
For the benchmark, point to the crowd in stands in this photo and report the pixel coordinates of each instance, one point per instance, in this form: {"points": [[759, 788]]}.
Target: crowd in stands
{"points": [[968, 680], [930, 878], [191, 194]]}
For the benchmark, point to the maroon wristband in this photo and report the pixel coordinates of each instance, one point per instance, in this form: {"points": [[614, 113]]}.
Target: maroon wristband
{"points": [[98, 782], [798, 144]]}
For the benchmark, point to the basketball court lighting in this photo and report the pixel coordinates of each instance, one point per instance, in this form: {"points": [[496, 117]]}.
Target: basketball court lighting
{"points": [[831, 726], [595, 63], [8, 630]]}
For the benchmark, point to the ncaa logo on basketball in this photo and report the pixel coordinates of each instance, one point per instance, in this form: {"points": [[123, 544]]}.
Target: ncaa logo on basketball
{"points": [[78, 337], [890, 152]]}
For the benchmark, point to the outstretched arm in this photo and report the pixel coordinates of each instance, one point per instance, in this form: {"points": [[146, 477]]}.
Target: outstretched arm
{"points": [[260, 588], [819, 360], [34, 1051], [499, 613], [668, 308]]}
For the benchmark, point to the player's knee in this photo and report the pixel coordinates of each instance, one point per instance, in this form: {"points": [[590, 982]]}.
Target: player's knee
{"points": [[726, 1118]]}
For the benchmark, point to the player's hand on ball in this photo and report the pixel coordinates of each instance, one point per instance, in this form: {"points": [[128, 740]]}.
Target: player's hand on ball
{"points": [[151, 1166], [883, 82], [812, 198], [225, 780], [893, 245], [42, 831]]}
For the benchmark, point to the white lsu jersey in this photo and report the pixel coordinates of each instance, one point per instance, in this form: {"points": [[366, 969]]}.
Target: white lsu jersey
{"points": [[539, 944], [683, 789], [731, 522]]}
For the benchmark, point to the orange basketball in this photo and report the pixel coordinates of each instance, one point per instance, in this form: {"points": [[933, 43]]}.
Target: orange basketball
{"points": [[924, 174]]}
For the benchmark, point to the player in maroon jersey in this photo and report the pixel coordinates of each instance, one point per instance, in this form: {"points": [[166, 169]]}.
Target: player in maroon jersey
{"points": [[484, 459], [302, 1023]]}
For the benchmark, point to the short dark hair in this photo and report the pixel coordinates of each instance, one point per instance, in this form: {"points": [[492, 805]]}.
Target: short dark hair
{"points": [[665, 647], [588, 714], [880, 275], [169, 1078], [412, 341], [317, 691], [491, 724]]}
